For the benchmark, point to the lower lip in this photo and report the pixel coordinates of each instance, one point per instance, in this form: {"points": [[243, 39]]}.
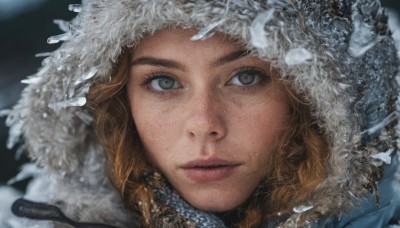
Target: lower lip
{"points": [[209, 174]]}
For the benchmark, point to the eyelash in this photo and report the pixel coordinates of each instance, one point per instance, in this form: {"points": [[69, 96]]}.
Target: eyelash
{"points": [[153, 76], [263, 78]]}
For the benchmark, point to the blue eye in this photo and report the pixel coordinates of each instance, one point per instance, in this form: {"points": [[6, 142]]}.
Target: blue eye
{"points": [[247, 77], [161, 83]]}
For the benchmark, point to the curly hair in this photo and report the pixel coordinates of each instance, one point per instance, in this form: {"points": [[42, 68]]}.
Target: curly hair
{"points": [[114, 127], [296, 167]]}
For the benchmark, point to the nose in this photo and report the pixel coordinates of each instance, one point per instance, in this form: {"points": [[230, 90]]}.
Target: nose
{"points": [[205, 119]]}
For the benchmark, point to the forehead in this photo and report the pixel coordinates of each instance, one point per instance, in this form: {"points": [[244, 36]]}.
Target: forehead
{"points": [[172, 40]]}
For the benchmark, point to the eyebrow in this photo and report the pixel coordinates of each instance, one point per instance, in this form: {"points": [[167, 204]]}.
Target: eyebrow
{"points": [[146, 60], [160, 62], [232, 56]]}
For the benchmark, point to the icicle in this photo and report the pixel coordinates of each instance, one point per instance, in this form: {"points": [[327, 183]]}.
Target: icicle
{"points": [[297, 56], [75, 8], [19, 152], [28, 170], [83, 91], [394, 25], [302, 208], [92, 72], [357, 50], [390, 118], [63, 25], [74, 102], [257, 31], [35, 78], [206, 32], [71, 91], [15, 133], [42, 71], [62, 37], [343, 86], [362, 39], [43, 54], [384, 156], [4, 112], [31, 80]]}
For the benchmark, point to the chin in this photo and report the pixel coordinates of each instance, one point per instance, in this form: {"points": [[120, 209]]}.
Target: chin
{"points": [[214, 207], [212, 202]]}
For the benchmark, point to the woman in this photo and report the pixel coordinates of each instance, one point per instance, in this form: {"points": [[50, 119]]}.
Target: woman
{"points": [[213, 114]]}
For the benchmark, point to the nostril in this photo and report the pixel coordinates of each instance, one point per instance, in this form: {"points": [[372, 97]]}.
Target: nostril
{"points": [[213, 133]]}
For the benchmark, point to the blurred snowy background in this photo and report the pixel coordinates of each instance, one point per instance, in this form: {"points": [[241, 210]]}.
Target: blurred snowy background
{"points": [[25, 26]]}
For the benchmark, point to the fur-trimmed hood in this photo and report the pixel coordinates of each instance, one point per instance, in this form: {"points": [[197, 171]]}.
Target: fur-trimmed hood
{"points": [[338, 54]]}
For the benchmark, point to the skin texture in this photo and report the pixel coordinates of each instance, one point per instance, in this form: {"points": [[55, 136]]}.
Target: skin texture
{"points": [[209, 133]]}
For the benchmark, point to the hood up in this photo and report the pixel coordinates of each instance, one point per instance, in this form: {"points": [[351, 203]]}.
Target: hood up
{"points": [[338, 54]]}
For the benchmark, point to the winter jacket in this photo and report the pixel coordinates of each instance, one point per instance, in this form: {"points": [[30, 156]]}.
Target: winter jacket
{"points": [[340, 54], [368, 213]]}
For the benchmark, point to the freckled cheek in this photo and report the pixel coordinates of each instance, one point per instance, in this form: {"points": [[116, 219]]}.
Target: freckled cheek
{"points": [[156, 129], [260, 127]]}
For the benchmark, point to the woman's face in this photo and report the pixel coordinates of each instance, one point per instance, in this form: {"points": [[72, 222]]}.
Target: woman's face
{"points": [[207, 113]]}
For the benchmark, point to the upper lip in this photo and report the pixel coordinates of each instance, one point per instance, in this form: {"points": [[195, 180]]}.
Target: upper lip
{"points": [[209, 163]]}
